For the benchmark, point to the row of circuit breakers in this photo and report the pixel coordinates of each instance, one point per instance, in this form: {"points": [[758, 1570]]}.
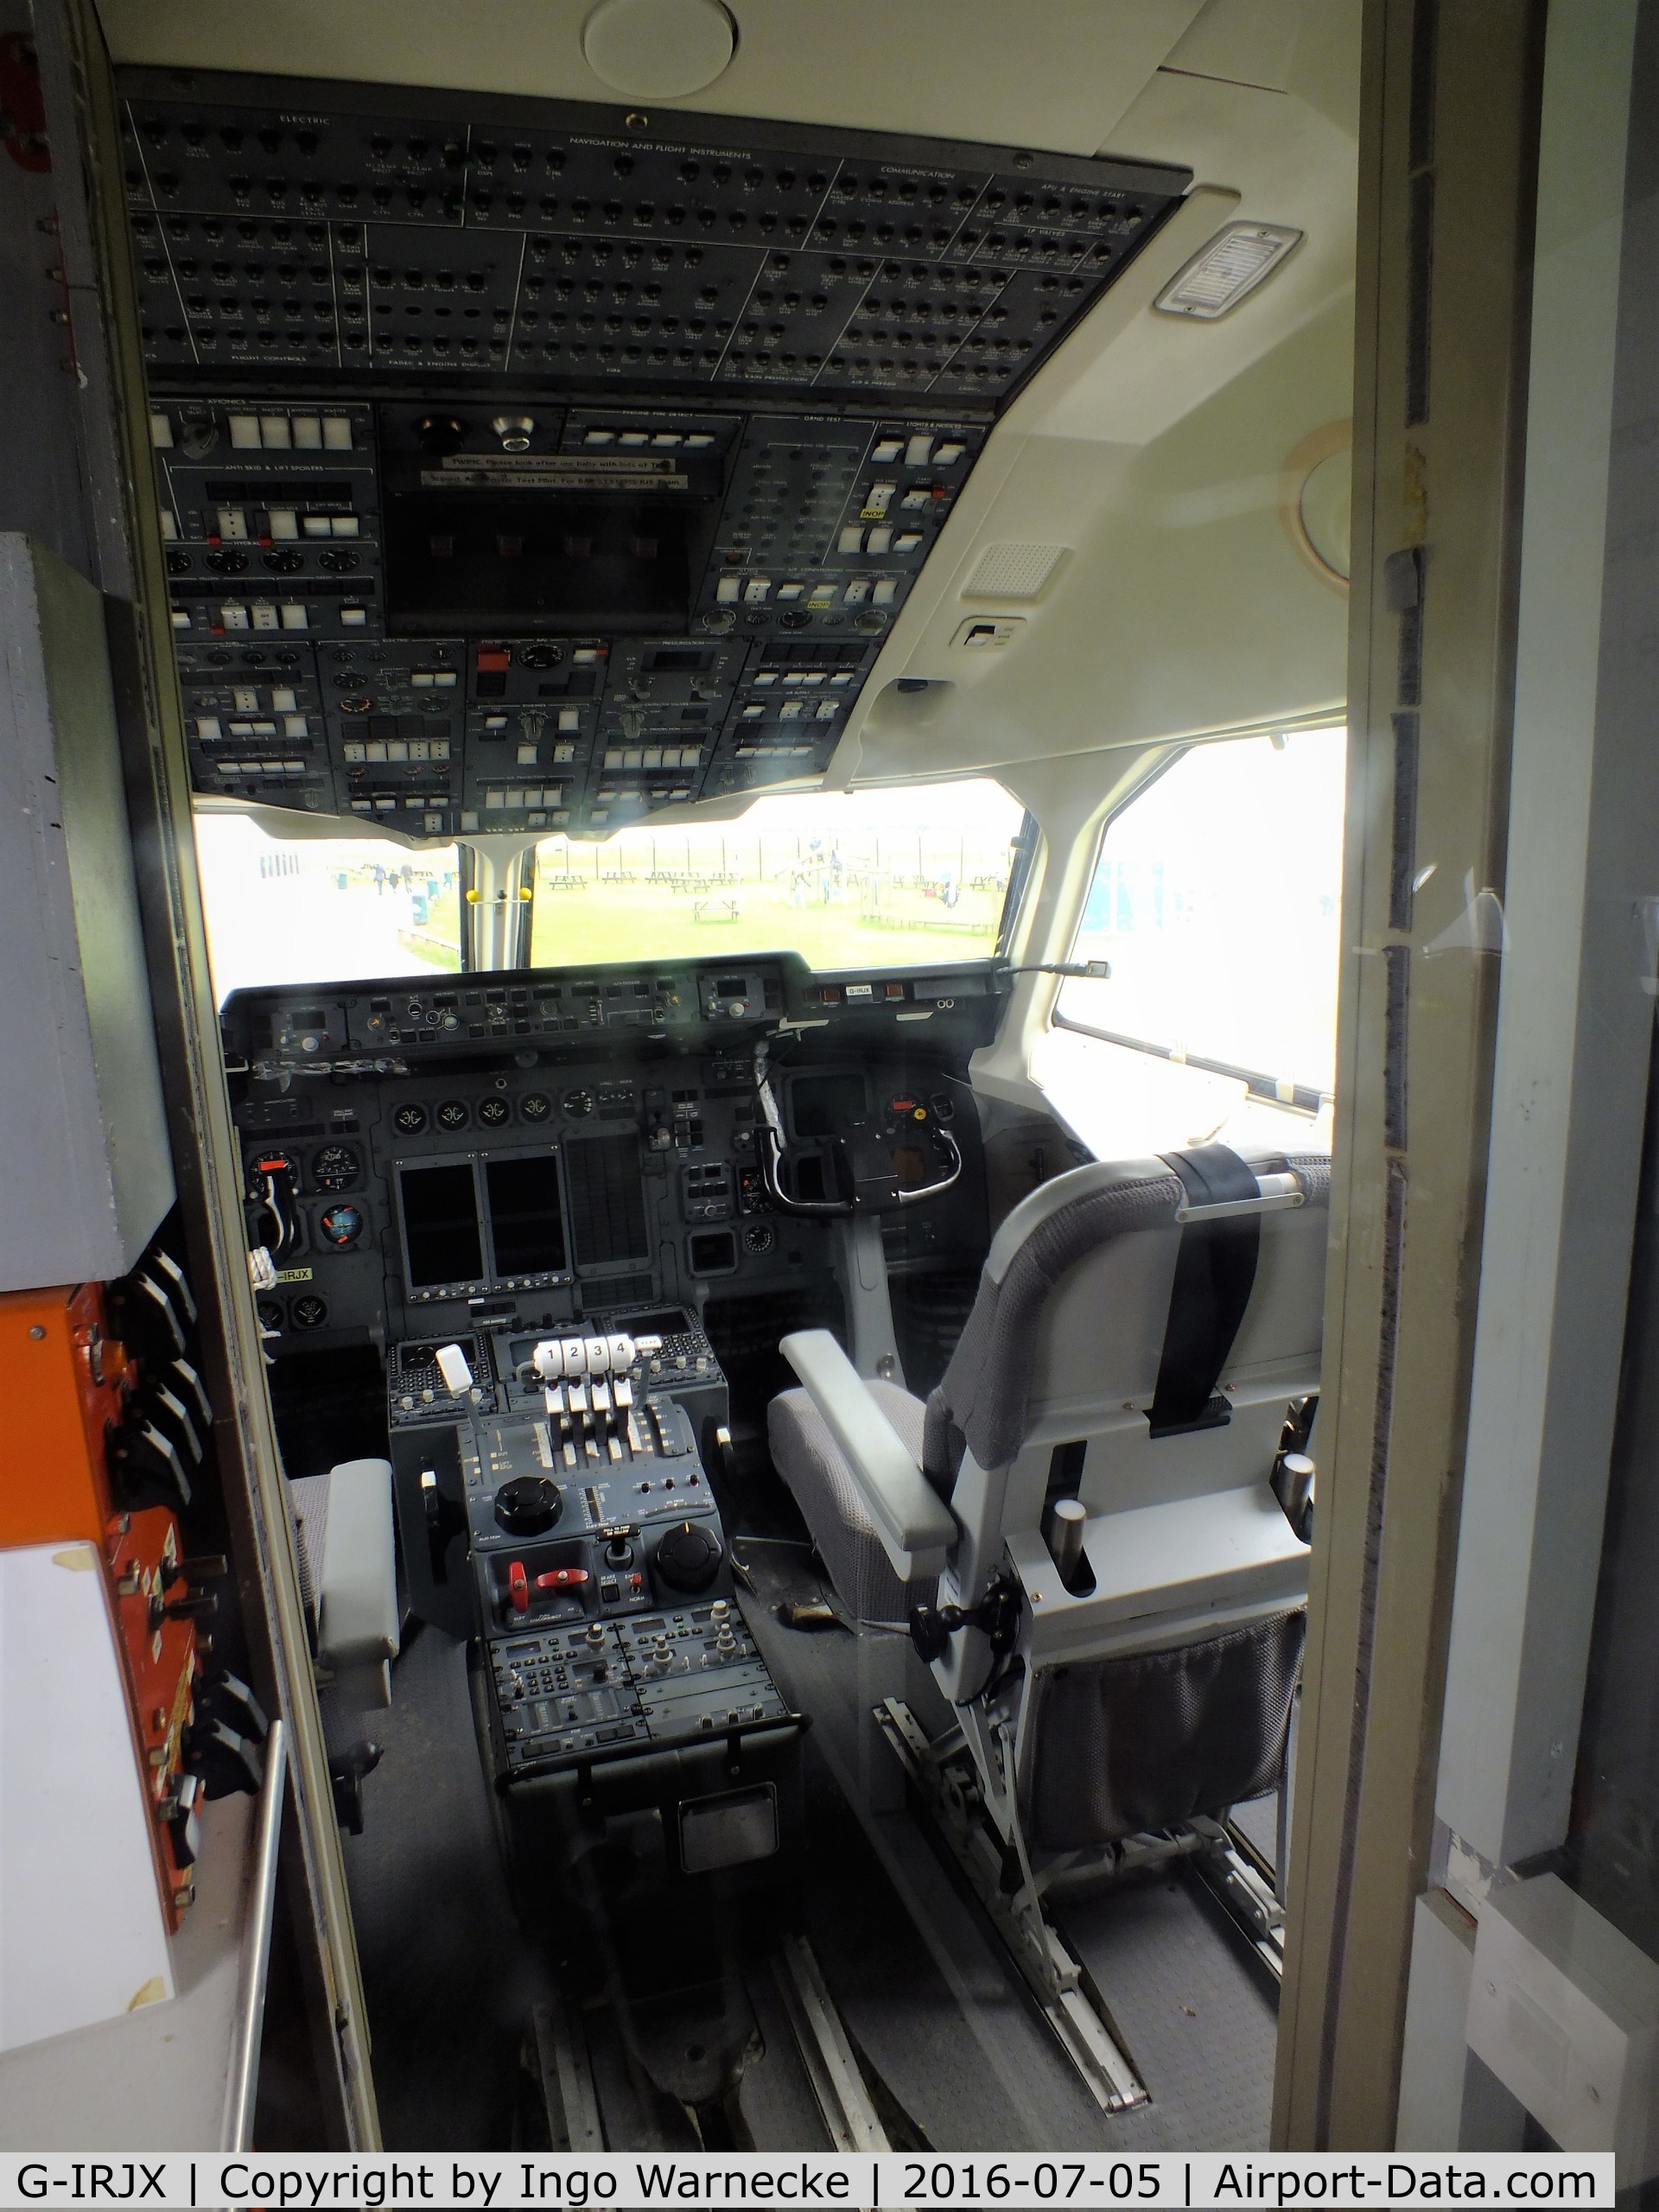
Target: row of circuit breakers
{"points": [[538, 472]]}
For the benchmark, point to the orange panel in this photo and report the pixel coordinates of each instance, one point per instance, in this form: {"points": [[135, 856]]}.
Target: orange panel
{"points": [[161, 1660], [60, 1382]]}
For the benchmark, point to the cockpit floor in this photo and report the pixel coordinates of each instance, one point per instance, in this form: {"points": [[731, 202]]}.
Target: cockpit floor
{"points": [[941, 2015], [448, 1979], [922, 1986]]}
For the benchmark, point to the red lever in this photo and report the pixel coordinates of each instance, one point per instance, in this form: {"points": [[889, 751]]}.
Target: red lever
{"points": [[518, 1586], [561, 1577]]}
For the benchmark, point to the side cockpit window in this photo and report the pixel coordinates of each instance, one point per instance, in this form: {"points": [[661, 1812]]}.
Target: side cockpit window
{"points": [[1216, 899]]}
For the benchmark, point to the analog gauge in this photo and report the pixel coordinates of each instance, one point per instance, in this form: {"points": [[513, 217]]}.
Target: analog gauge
{"points": [[282, 564], [309, 1312], [341, 1225], [494, 1112], [534, 1106], [758, 1238], [452, 1115], [408, 1119], [271, 1317], [262, 1165], [336, 1167], [578, 1103]]}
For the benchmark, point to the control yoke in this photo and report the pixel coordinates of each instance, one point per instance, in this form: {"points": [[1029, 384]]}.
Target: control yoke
{"points": [[869, 1170]]}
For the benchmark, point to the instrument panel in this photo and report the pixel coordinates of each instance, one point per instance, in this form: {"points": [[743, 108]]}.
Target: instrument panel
{"points": [[532, 1147]]}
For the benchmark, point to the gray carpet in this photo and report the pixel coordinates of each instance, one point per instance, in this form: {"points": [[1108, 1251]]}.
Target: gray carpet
{"points": [[448, 1979]]}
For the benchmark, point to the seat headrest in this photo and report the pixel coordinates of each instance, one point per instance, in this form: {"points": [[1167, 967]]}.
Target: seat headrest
{"points": [[983, 1402]]}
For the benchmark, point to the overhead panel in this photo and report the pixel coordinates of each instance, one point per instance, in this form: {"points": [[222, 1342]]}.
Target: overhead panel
{"points": [[541, 465]]}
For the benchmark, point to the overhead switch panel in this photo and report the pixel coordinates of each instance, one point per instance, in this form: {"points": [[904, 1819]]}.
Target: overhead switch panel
{"points": [[505, 434]]}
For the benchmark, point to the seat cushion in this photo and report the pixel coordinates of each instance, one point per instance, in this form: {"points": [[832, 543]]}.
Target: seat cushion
{"points": [[810, 1460]]}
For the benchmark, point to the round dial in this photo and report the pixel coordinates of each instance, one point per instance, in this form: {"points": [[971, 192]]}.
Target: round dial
{"points": [[687, 1557], [528, 1504], [309, 1312], [452, 1115], [265, 1164], [408, 1119], [271, 1316], [341, 1225], [534, 1106], [759, 1237], [577, 1104], [494, 1112], [336, 1167], [282, 564]]}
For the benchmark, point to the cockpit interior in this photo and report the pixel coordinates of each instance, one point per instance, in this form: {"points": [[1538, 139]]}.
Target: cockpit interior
{"points": [[735, 637]]}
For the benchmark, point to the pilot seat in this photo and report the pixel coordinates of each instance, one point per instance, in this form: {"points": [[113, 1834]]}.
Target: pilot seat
{"points": [[1095, 1528]]}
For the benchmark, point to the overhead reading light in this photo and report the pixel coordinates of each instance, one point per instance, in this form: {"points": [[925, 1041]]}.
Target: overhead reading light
{"points": [[1220, 274]]}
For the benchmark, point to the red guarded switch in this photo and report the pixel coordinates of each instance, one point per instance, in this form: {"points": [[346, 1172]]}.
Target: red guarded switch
{"points": [[520, 1584]]}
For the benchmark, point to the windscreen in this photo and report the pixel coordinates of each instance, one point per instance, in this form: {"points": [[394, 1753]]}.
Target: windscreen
{"points": [[290, 912], [889, 878], [442, 1243]]}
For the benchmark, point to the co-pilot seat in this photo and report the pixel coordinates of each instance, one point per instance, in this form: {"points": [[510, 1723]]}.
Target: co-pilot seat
{"points": [[1141, 1331]]}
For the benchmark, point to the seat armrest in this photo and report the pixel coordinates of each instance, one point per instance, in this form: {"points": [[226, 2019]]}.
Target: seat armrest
{"points": [[914, 1523], [357, 1596]]}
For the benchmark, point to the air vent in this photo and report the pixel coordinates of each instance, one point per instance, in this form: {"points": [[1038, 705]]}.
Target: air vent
{"points": [[1014, 571]]}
